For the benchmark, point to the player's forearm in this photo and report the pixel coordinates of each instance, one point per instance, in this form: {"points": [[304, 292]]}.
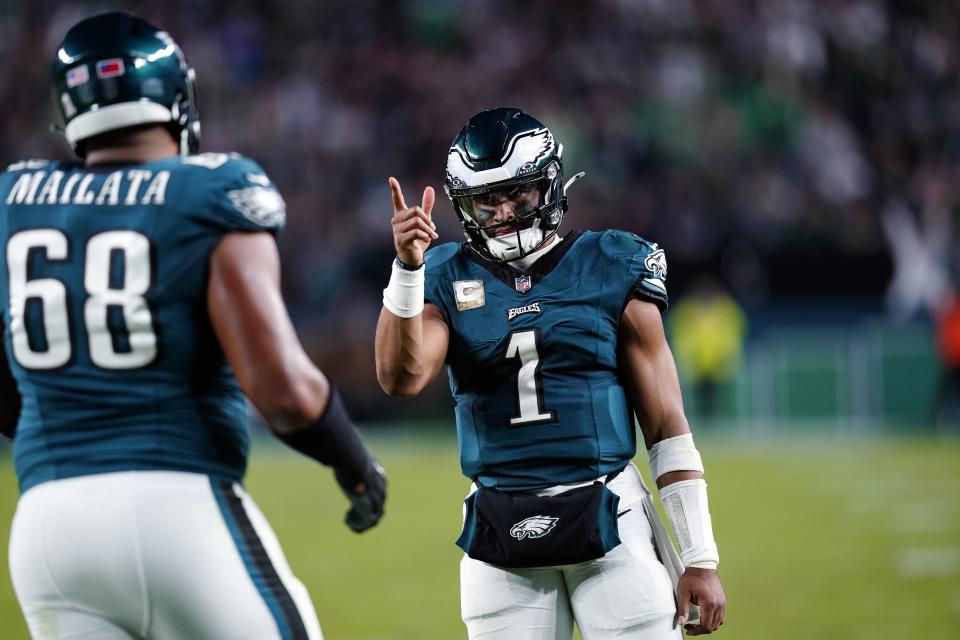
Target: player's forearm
{"points": [[677, 468], [400, 355], [411, 338], [677, 476], [330, 438], [289, 395]]}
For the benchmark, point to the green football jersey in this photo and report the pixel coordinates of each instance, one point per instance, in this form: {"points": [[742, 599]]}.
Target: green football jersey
{"points": [[532, 359], [103, 297]]}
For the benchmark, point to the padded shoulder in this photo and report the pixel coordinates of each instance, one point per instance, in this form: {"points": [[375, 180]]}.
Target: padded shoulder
{"points": [[437, 257], [645, 263], [236, 191], [30, 165], [621, 244], [14, 178], [14, 170]]}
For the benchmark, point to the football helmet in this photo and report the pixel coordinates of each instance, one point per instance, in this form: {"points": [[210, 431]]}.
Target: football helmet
{"points": [[113, 71], [505, 180]]}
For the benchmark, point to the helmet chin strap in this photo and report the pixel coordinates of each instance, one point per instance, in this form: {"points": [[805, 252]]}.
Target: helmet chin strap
{"points": [[184, 142], [528, 260]]}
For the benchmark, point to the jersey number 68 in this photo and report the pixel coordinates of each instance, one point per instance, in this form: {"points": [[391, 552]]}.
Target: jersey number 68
{"points": [[41, 337]]}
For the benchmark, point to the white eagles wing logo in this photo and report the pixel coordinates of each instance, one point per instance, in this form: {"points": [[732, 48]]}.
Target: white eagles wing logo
{"points": [[260, 205], [656, 263], [525, 150], [533, 527], [523, 153]]}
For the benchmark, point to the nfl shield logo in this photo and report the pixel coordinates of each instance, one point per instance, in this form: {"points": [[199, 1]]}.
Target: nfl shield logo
{"points": [[522, 283]]}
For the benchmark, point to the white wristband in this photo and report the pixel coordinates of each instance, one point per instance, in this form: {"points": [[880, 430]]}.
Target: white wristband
{"points": [[403, 296], [675, 454], [689, 515]]}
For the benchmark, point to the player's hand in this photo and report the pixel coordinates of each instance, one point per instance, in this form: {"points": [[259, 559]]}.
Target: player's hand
{"points": [[701, 587], [413, 230], [366, 497]]}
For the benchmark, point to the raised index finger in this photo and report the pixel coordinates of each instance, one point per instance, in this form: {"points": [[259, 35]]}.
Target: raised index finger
{"points": [[398, 203]]}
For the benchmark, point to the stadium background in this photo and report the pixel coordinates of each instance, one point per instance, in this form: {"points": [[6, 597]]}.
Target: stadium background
{"points": [[797, 160]]}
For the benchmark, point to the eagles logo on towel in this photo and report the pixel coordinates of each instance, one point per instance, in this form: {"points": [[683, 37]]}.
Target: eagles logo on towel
{"points": [[533, 527]]}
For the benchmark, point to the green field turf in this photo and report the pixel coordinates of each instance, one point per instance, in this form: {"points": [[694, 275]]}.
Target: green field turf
{"points": [[830, 539]]}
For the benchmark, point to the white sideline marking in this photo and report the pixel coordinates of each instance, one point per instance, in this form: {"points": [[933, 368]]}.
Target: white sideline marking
{"points": [[917, 562]]}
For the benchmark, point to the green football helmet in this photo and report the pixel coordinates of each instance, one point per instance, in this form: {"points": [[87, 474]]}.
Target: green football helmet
{"points": [[503, 155], [114, 71]]}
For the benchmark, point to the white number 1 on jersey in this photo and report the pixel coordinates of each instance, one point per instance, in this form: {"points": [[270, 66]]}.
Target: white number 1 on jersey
{"points": [[523, 345]]}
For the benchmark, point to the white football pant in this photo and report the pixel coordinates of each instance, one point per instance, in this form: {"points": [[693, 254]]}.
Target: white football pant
{"points": [[152, 554], [627, 594]]}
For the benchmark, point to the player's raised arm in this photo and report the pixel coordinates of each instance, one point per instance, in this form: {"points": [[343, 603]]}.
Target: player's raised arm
{"points": [[648, 366], [293, 396], [412, 337], [9, 396]]}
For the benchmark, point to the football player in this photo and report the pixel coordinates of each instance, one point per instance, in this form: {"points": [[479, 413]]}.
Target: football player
{"points": [[140, 301], [551, 341]]}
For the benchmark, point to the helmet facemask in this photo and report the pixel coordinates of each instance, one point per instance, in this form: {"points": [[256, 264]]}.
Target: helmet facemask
{"points": [[505, 180], [510, 219]]}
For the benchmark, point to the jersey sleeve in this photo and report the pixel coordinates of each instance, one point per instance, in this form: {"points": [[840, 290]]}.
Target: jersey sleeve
{"points": [[241, 197], [650, 267], [646, 267]]}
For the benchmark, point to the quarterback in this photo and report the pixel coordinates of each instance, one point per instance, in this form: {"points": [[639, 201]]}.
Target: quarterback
{"points": [[140, 300], [552, 343]]}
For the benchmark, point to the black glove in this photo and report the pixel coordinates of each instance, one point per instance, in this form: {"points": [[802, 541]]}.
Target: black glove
{"points": [[366, 508]]}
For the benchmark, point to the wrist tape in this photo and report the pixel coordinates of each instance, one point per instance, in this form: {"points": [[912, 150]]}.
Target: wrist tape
{"points": [[689, 515], [674, 454], [403, 296]]}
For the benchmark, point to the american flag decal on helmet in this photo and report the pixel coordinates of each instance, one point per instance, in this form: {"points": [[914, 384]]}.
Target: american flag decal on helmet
{"points": [[77, 76], [110, 68]]}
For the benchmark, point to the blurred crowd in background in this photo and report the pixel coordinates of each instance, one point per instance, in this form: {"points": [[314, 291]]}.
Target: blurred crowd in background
{"points": [[793, 151]]}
